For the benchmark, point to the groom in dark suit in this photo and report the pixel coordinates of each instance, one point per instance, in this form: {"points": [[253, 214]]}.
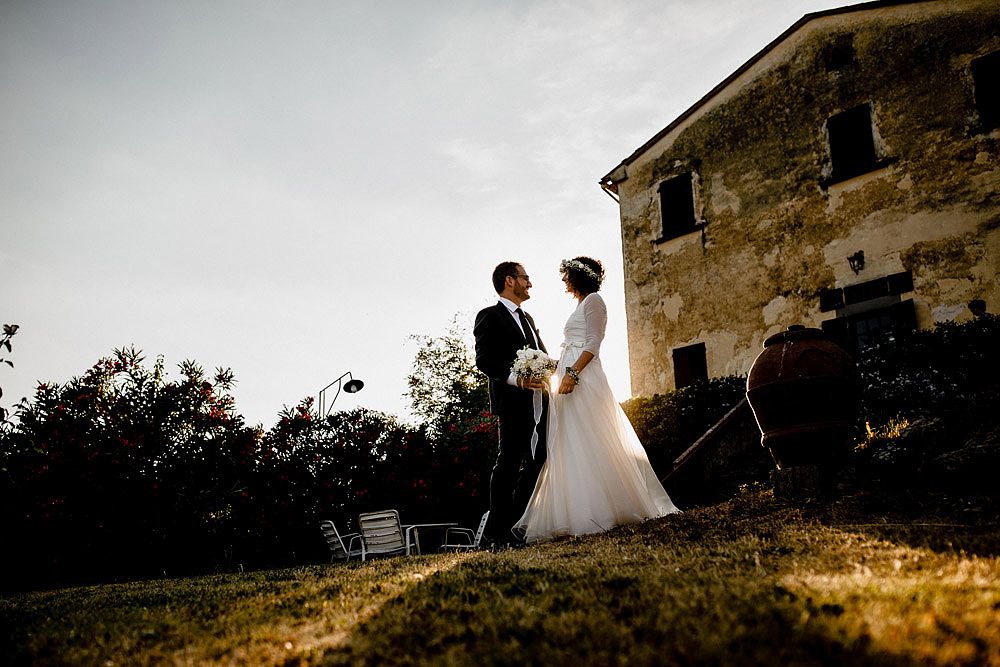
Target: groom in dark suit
{"points": [[501, 330]]}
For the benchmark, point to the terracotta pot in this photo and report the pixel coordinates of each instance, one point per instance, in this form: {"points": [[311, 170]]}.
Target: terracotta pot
{"points": [[805, 394]]}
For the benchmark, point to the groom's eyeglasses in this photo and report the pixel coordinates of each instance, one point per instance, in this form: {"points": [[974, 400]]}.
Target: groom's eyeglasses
{"points": [[520, 275]]}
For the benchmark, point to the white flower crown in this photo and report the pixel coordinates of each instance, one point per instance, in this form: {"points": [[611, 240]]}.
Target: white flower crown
{"points": [[576, 265]]}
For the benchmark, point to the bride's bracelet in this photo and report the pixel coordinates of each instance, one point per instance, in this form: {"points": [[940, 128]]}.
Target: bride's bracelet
{"points": [[573, 373]]}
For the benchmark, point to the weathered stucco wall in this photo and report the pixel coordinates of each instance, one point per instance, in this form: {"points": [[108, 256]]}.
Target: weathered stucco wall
{"points": [[775, 236]]}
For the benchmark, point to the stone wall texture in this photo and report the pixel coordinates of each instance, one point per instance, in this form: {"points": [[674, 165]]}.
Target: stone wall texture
{"points": [[776, 232]]}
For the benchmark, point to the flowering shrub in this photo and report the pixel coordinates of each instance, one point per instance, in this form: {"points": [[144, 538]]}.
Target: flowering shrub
{"points": [[950, 368], [358, 461], [122, 472], [928, 403], [307, 469], [464, 453]]}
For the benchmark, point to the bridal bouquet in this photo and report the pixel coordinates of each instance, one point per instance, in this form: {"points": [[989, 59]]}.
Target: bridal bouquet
{"points": [[533, 364]]}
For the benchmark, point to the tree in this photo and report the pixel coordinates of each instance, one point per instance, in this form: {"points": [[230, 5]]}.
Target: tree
{"points": [[445, 387], [452, 395]]}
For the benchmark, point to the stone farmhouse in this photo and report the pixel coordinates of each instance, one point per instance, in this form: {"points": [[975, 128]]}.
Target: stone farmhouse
{"points": [[846, 177]]}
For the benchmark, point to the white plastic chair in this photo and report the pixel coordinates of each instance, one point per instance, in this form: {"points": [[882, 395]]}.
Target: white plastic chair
{"points": [[335, 541], [463, 538], [382, 534]]}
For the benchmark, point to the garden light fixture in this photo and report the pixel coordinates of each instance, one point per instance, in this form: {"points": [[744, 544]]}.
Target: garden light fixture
{"points": [[352, 386]]}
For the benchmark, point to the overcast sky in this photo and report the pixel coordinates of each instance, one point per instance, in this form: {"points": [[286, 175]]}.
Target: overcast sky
{"points": [[292, 189]]}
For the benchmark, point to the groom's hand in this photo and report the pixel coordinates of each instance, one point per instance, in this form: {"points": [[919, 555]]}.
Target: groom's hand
{"points": [[531, 384]]}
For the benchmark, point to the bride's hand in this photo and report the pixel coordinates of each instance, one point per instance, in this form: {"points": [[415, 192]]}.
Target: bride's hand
{"points": [[567, 385]]}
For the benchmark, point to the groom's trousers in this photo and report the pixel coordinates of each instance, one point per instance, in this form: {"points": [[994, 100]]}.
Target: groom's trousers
{"points": [[515, 472]]}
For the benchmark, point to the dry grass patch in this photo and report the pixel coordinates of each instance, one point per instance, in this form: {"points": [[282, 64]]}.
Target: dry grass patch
{"points": [[253, 618]]}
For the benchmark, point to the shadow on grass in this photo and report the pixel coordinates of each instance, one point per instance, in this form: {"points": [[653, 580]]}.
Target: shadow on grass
{"points": [[947, 523], [749, 582]]}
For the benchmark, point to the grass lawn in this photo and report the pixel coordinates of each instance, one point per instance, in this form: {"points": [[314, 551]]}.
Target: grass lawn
{"points": [[881, 579]]}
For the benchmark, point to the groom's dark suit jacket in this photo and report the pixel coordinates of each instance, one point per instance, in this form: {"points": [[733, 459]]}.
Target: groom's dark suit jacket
{"points": [[498, 338]]}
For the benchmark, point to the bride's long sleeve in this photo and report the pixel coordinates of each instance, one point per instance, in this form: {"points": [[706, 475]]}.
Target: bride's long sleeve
{"points": [[595, 312]]}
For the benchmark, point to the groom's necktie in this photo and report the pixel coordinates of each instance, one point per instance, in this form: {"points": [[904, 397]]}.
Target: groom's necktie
{"points": [[526, 328]]}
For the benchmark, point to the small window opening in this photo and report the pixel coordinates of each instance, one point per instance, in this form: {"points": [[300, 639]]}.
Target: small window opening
{"points": [[690, 365], [677, 207], [852, 144], [986, 79], [839, 54]]}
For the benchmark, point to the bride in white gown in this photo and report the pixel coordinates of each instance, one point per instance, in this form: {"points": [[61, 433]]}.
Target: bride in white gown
{"points": [[596, 474]]}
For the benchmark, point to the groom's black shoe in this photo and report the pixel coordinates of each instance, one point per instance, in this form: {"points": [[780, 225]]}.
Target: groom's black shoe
{"points": [[502, 545]]}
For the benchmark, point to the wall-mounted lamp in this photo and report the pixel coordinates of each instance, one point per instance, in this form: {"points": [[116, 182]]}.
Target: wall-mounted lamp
{"points": [[857, 261], [352, 386]]}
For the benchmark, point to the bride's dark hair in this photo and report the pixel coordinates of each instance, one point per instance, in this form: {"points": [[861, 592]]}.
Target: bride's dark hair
{"points": [[582, 282]]}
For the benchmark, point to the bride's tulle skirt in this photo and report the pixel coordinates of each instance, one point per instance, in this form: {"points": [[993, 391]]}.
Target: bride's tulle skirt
{"points": [[596, 474]]}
